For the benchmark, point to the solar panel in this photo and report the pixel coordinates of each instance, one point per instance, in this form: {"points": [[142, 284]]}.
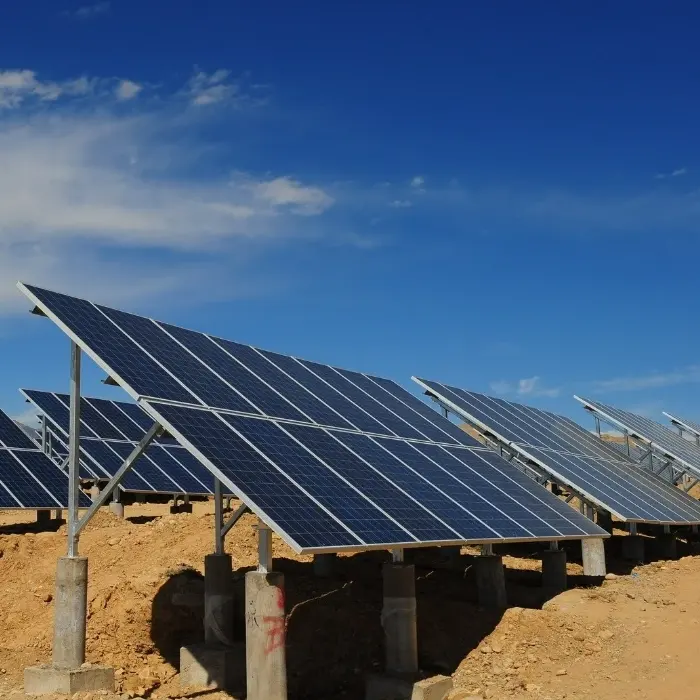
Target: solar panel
{"points": [[331, 459], [109, 433], [687, 425], [572, 456], [28, 478], [662, 439]]}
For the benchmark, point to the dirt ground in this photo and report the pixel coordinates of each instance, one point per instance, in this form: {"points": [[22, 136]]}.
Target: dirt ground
{"points": [[634, 636]]}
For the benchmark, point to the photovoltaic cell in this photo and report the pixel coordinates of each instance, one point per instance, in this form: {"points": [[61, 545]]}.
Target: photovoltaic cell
{"points": [[11, 435], [326, 456], [572, 456]]}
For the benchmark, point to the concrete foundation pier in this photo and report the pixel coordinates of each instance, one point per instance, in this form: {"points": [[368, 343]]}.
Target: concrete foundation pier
{"points": [[219, 662], [265, 622], [117, 508], [94, 491], [633, 548], [666, 546], [69, 673], [324, 565], [554, 570], [490, 581], [593, 555], [58, 515], [399, 618], [43, 517]]}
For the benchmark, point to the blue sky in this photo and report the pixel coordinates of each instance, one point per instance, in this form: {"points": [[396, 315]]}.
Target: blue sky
{"points": [[504, 196]]}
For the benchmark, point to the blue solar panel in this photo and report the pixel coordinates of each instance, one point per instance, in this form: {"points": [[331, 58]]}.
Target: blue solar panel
{"points": [[354, 415], [321, 488], [11, 435], [446, 426], [259, 394], [34, 481], [389, 420], [126, 427], [301, 397], [245, 470], [573, 456], [348, 505]]}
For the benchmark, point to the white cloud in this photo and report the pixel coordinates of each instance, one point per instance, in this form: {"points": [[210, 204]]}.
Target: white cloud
{"points": [[529, 386], [20, 86], [401, 204], [30, 418], [90, 11], [127, 90], [106, 204], [287, 192], [674, 173], [418, 181], [532, 386], [653, 380], [210, 88]]}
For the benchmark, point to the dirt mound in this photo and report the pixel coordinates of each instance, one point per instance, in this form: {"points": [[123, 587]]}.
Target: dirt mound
{"points": [[633, 637]]}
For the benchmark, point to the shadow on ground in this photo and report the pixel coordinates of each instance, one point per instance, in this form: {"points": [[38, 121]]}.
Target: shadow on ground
{"points": [[334, 633]]}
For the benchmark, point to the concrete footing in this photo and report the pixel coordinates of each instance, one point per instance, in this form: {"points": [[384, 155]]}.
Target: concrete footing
{"points": [[218, 599], [70, 612], [43, 517], [554, 570], [593, 556], [58, 515], [386, 687], [181, 508], [633, 548], [490, 582], [324, 565], [45, 680], [265, 627], [213, 666], [117, 508], [666, 547], [94, 491], [399, 618]]}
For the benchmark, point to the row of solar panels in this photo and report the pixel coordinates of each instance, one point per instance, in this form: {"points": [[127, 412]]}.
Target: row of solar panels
{"points": [[334, 459]]}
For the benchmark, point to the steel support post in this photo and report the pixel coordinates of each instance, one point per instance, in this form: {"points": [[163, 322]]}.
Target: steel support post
{"points": [[218, 518], [44, 436], [74, 450]]}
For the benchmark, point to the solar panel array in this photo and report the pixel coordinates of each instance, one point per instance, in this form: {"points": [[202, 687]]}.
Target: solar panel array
{"points": [[573, 456], [331, 459], [109, 431], [687, 425], [660, 437], [28, 478]]}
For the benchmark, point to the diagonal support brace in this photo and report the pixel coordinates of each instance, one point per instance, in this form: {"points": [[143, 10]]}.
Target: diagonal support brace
{"points": [[240, 512], [106, 492]]}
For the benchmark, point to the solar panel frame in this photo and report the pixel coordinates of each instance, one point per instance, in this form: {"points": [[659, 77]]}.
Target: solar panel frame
{"points": [[552, 461], [121, 364], [102, 460], [691, 463], [688, 426]]}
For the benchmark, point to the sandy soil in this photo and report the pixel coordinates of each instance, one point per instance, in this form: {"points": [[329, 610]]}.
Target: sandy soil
{"points": [[633, 637]]}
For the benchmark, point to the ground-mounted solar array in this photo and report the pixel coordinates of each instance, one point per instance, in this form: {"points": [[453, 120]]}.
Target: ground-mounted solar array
{"points": [[572, 456], [665, 442], [28, 478], [109, 431], [332, 459], [688, 426]]}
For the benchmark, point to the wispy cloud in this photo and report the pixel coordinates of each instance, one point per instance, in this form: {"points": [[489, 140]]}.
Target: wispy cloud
{"points": [[401, 204], [417, 182], [90, 11], [674, 173], [529, 386], [99, 201], [20, 86], [653, 380], [127, 90], [209, 88]]}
